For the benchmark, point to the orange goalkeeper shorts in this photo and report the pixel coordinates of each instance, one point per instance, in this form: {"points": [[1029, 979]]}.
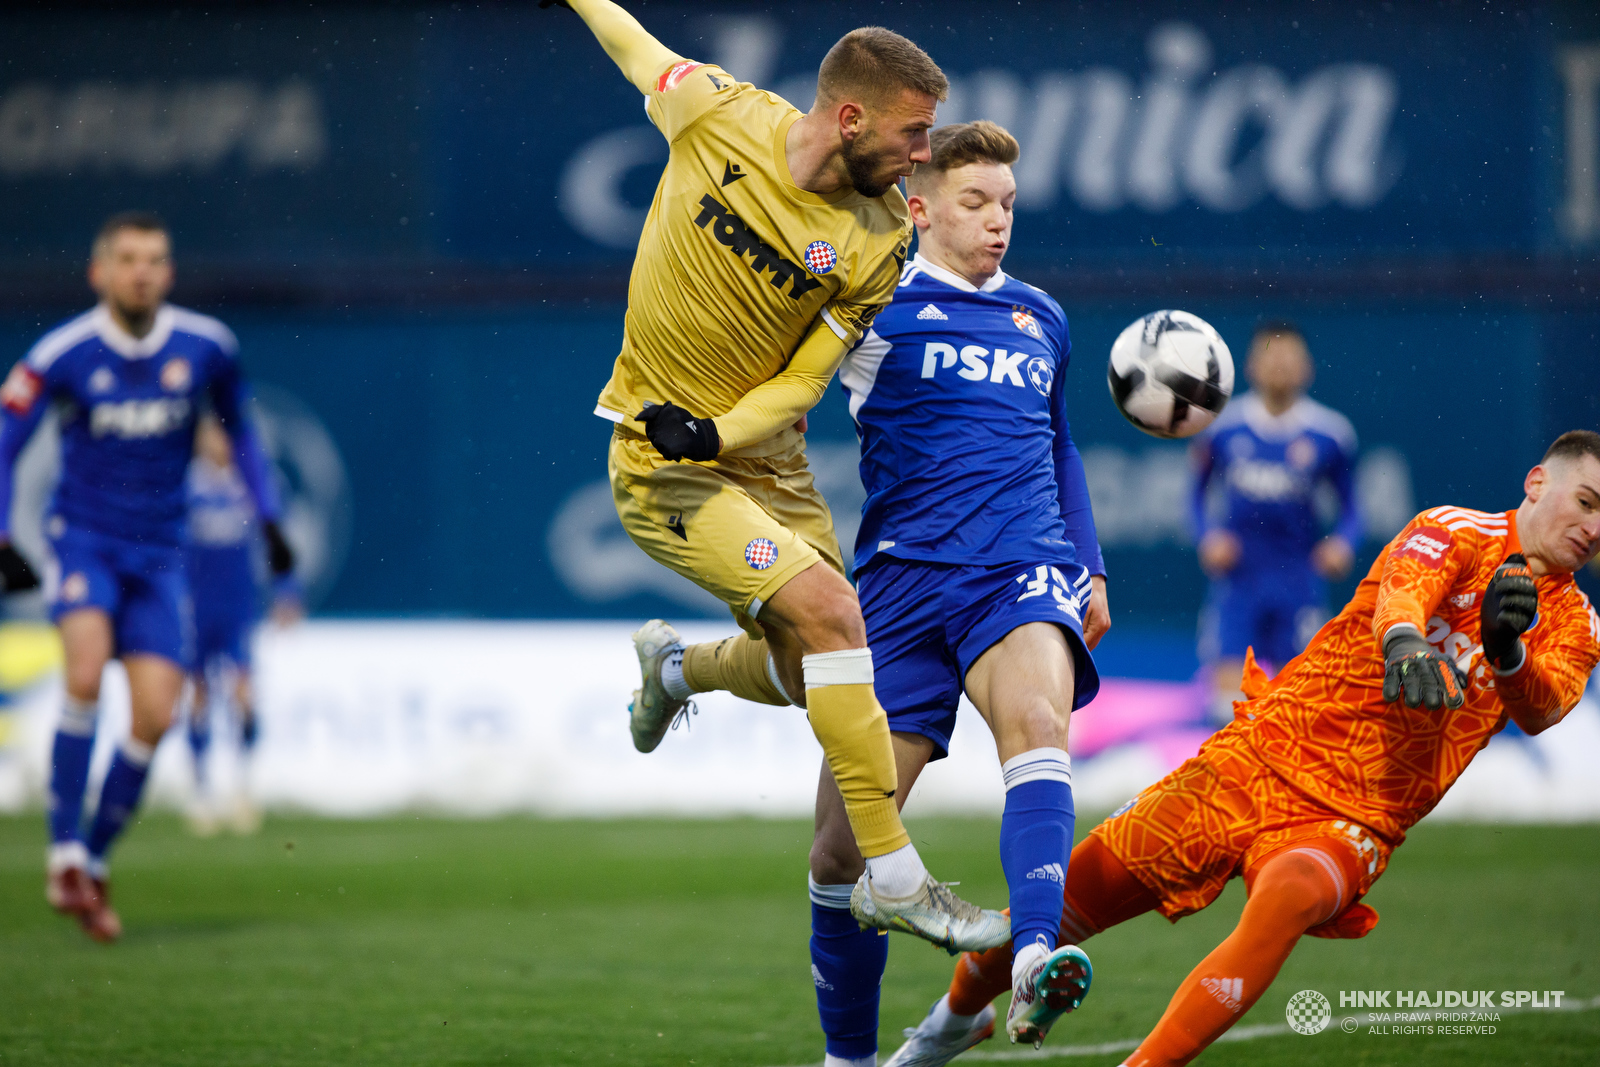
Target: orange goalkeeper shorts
{"points": [[1215, 818]]}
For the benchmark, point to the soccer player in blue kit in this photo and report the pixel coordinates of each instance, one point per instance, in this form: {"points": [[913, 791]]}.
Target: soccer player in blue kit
{"points": [[1269, 561], [978, 570], [128, 378], [223, 558]]}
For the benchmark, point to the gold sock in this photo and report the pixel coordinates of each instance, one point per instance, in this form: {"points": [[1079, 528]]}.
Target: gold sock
{"points": [[854, 732], [737, 664]]}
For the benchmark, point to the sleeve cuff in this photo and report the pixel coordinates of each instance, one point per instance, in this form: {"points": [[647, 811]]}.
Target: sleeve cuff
{"points": [[836, 327], [1522, 661]]}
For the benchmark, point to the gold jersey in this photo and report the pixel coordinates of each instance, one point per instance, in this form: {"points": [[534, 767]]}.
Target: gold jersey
{"points": [[736, 262]]}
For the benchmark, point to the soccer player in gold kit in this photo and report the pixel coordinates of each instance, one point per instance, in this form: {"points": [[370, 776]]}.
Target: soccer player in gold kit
{"points": [[773, 239]]}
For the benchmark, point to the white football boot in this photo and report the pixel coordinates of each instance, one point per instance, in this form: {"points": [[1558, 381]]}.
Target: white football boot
{"points": [[652, 710], [932, 913], [927, 1045], [1053, 985]]}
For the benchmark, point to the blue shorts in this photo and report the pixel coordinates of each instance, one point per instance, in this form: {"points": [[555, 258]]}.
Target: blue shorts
{"points": [[143, 587], [928, 623], [1274, 609], [226, 604]]}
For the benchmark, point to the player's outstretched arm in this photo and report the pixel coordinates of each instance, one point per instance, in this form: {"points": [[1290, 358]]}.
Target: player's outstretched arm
{"points": [[22, 406], [639, 56], [228, 397]]}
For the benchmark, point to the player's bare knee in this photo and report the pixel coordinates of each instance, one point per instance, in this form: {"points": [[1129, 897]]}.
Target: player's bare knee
{"points": [[1298, 887], [819, 611], [835, 861], [1035, 723], [150, 725], [83, 681]]}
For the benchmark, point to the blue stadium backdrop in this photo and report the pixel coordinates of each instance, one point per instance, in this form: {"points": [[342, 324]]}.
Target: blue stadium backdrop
{"points": [[419, 218]]}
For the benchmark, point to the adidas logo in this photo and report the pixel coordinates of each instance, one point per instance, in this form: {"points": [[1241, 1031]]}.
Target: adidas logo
{"points": [[931, 312], [1050, 872], [1228, 991], [816, 976]]}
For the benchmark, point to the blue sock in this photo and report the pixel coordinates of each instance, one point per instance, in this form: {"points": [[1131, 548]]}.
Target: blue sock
{"points": [[249, 730], [1035, 841], [119, 795], [847, 965], [69, 768], [199, 741]]}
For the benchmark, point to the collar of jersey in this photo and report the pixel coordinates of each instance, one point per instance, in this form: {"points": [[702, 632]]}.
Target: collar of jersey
{"points": [[1292, 421], [124, 343], [938, 273]]}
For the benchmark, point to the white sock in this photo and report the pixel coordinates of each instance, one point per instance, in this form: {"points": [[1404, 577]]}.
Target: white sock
{"points": [[672, 676], [897, 874], [78, 716], [136, 751], [836, 897], [1026, 957], [65, 855], [941, 1020], [830, 1060]]}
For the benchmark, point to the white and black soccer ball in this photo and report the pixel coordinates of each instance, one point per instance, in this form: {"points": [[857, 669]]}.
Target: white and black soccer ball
{"points": [[1170, 374]]}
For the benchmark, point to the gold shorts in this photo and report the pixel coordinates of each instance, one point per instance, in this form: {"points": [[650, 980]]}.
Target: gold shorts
{"points": [[739, 527]]}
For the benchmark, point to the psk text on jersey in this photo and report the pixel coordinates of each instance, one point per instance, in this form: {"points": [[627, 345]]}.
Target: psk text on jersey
{"points": [[937, 354]]}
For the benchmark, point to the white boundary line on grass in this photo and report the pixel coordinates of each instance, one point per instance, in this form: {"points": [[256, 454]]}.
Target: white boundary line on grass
{"points": [[1241, 1033]]}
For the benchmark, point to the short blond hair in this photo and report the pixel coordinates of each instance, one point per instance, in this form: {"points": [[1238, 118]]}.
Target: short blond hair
{"points": [[962, 143], [871, 65]]}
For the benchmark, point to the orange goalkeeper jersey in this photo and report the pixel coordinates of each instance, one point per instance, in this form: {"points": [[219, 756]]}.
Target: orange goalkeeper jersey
{"points": [[1323, 725]]}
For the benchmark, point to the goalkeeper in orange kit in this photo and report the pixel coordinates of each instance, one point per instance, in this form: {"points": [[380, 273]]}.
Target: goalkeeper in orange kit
{"points": [[1466, 619]]}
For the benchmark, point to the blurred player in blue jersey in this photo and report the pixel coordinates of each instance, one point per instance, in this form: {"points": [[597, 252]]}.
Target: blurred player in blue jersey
{"points": [[224, 540], [978, 570], [1267, 456], [129, 378]]}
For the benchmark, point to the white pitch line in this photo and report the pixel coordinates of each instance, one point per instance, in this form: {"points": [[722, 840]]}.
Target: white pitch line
{"points": [[1238, 1033]]}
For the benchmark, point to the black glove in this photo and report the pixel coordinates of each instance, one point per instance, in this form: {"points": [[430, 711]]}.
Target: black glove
{"points": [[280, 557], [552, 3], [1425, 677], [1509, 604], [15, 571], [678, 434]]}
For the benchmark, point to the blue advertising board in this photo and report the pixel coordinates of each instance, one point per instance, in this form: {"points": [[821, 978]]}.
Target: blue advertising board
{"points": [[469, 473], [454, 467], [430, 134]]}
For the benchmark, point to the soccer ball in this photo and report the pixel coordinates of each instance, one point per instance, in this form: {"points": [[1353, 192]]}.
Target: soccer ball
{"points": [[1170, 374]]}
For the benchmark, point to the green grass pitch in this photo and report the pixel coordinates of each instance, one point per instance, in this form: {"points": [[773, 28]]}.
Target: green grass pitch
{"points": [[427, 941]]}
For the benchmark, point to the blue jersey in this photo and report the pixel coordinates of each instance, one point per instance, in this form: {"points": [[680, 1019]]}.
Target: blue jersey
{"points": [[128, 410], [221, 513], [222, 541], [1269, 468], [959, 399]]}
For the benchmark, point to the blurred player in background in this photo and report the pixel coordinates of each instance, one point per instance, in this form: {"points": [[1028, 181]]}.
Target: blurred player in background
{"points": [[1269, 453], [129, 378], [1466, 619], [979, 571], [773, 240], [224, 550]]}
